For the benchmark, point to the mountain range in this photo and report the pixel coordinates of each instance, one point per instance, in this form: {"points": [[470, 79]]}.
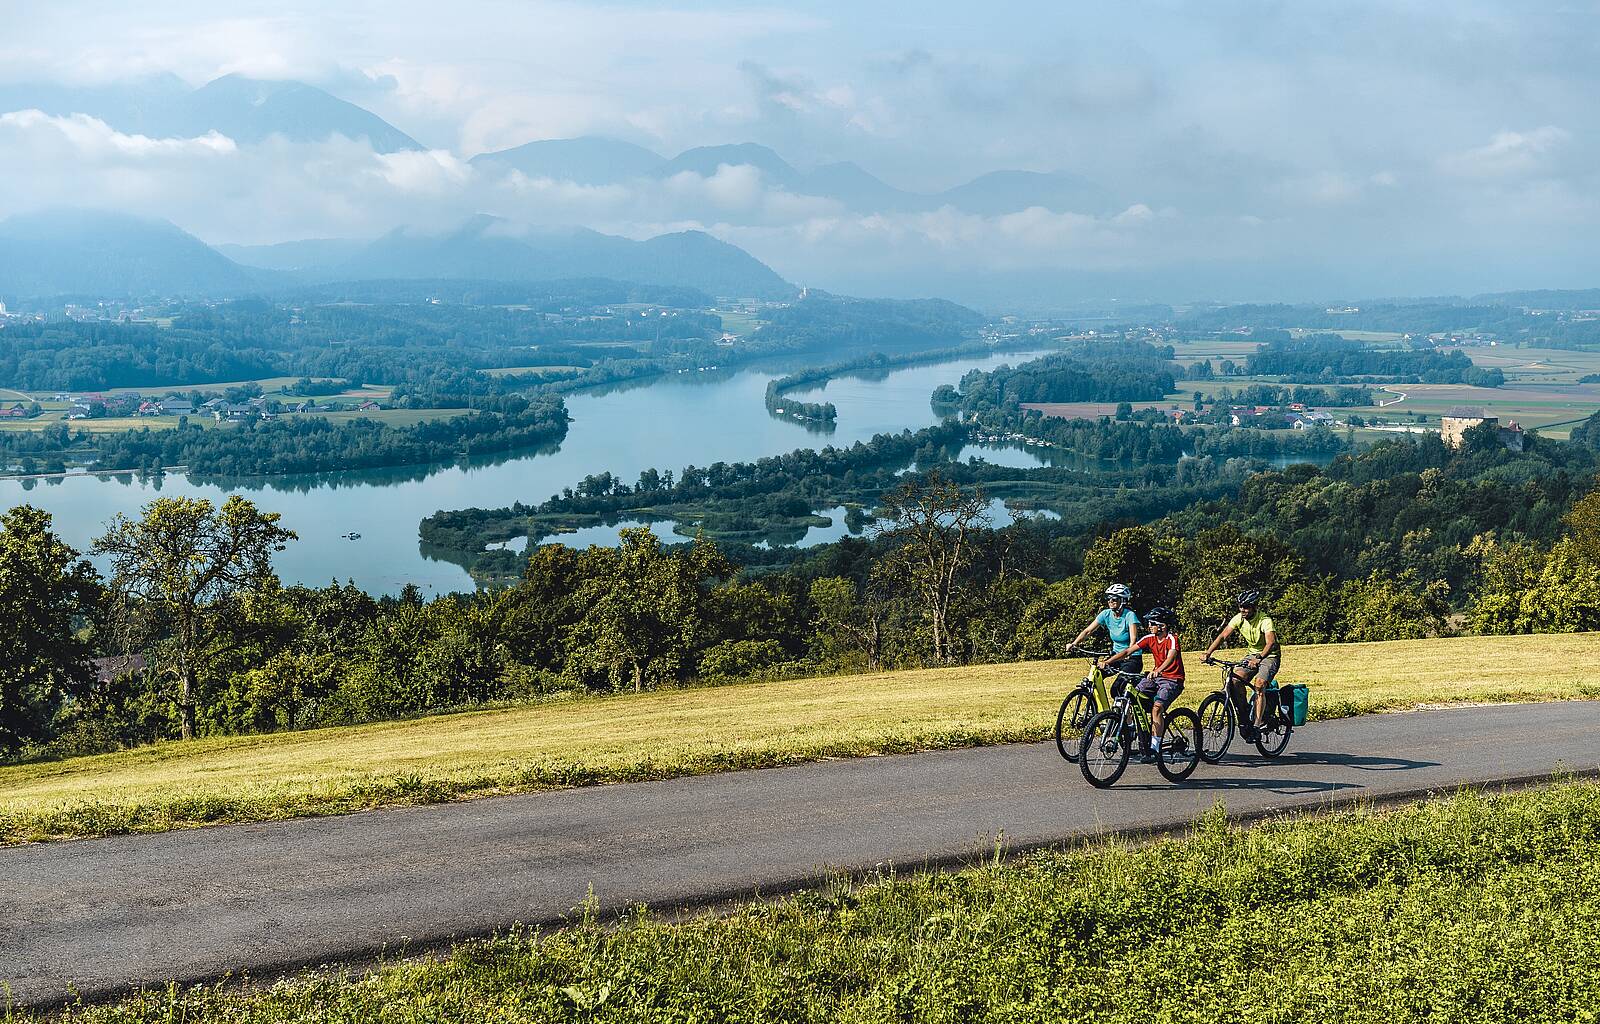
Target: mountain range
{"points": [[109, 255], [592, 160], [247, 110], [250, 110]]}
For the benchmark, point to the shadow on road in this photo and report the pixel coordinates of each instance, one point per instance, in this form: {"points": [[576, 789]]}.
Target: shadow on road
{"points": [[1361, 762], [1283, 787]]}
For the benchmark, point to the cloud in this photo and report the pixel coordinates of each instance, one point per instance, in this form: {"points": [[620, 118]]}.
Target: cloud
{"points": [[1509, 154], [89, 138]]}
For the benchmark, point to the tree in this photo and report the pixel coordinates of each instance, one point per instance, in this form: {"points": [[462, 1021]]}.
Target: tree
{"points": [[1583, 520], [640, 601], [845, 624], [1397, 606], [932, 547], [44, 586], [192, 561]]}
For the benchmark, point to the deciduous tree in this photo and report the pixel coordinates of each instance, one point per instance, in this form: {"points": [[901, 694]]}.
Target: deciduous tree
{"points": [[44, 586], [192, 560]]}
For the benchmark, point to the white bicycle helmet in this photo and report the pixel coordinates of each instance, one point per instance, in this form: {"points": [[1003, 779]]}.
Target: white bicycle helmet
{"points": [[1120, 592]]}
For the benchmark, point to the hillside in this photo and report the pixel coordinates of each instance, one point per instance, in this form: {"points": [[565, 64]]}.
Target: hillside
{"points": [[246, 110], [98, 254], [487, 249], [110, 255], [687, 732]]}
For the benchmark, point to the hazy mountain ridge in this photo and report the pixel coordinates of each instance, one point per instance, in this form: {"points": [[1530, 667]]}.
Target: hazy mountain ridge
{"points": [[593, 160], [247, 110], [112, 255]]}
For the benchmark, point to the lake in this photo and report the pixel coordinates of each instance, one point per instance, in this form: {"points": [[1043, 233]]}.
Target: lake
{"points": [[667, 422]]}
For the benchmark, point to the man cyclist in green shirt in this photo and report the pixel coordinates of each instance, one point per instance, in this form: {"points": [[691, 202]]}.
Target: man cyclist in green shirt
{"points": [[1259, 667]]}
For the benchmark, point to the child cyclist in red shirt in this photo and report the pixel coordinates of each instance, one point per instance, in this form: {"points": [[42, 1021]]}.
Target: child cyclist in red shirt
{"points": [[1162, 685]]}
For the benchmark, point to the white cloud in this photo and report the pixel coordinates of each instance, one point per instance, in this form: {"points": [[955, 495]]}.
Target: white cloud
{"points": [[1509, 154], [90, 138], [432, 171]]}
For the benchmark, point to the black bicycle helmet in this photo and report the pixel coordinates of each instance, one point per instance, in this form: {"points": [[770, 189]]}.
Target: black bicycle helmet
{"points": [[1163, 616], [1249, 598]]}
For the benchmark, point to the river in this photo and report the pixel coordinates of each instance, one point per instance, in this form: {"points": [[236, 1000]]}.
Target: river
{"points": [[667, 422]]}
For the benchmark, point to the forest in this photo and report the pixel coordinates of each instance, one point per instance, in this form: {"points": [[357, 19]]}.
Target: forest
{"points": [[303, 444], [1328, 358], [1504, 318], [1123, 371]]}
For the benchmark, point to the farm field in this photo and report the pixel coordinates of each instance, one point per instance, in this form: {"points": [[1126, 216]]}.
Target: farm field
{"points": [[1535, 365], [507, 371], [1083, 410], [1402, 916], [1549, 406], [696, 731]]}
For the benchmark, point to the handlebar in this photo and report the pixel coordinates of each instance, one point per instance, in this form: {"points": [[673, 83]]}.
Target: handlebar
{"points": [[1086, 653]]}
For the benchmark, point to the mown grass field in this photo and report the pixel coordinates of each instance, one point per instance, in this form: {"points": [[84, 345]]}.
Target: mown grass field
{"points": [[1471, 908], [694, 731]]}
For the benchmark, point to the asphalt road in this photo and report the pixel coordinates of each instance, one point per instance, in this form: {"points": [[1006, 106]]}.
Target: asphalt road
{"points": [[102, 915]]}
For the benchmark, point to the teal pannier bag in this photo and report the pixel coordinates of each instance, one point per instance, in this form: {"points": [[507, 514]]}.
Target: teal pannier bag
{"points": [[1298, 698]]}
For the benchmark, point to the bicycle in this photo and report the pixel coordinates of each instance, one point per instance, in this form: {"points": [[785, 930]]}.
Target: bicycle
{"points": [[1218, 720], [1110, 736], [1083, 702]]}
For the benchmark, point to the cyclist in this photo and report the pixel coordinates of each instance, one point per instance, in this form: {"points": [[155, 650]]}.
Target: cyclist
{"points": [[1120, 622], [1161, 686], [1259, 667]]}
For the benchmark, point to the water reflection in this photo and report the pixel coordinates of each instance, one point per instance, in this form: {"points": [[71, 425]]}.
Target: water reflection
{"points": [[663, 423]]}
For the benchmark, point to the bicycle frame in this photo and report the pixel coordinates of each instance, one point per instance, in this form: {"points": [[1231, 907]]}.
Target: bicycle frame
{"points": [[1095, 682], [1129, 702], [1248, 685]]}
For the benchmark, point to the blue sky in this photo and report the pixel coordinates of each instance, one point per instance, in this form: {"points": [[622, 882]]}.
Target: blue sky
{"points": [[1255, 149]]}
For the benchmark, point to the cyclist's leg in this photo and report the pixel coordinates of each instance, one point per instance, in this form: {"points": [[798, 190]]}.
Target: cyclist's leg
{"points": [[1238, 693], [1166, 691], [1266, 672], [1143, 697]]}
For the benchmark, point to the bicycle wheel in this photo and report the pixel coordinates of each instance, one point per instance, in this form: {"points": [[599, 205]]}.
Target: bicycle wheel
{"points": [[1274, 736], [1180, 748], [1216, 726], [1103, 750], [1075, 713]]}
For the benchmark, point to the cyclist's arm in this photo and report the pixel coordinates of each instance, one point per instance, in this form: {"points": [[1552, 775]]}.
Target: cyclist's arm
{"points": [[1127, 651], [1086, 631], [1269, 643], [1133, 631]]}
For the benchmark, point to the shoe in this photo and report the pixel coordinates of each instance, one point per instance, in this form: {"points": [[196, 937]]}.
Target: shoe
{"points": [[1149, 757], [1247, 733]]}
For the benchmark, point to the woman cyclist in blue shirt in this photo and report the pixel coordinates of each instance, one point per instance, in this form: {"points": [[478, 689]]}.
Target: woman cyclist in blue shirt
{"points": [[1119, 621]]}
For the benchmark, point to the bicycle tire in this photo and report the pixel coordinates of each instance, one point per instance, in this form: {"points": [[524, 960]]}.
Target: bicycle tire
{"points": [[1216, 718], [1102, 737], [1274, 739], [1075, 713], [1180, 749]]}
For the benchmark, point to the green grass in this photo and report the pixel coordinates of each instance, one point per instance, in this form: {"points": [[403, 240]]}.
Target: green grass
{"points": [[696, 731], [1471, 908]]}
